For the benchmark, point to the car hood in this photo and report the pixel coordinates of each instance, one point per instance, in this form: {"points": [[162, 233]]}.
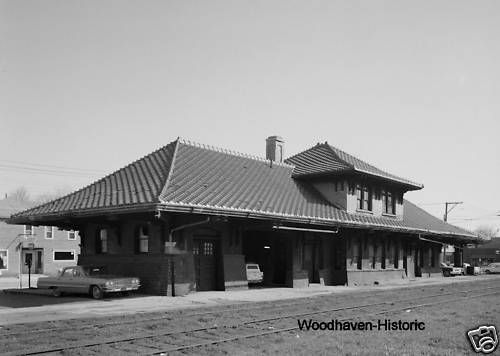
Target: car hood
{"points": [[110, 277]]}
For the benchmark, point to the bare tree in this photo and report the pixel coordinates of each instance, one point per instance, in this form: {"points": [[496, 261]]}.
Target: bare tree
{"points": [[20, 194], [487, 231]]}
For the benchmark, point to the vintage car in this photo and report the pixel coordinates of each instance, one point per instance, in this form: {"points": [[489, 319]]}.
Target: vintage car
{"points": [[254, 274], [492, 268], [451, 270], [88, 280]]}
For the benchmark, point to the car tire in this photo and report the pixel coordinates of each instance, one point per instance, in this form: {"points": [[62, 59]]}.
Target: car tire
{"points": [[96, 292], [487, 271], [56, 292]]}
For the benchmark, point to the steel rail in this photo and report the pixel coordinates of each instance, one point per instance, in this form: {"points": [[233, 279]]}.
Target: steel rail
{"points": [[138, 336], [277, 331], [269, 304]]}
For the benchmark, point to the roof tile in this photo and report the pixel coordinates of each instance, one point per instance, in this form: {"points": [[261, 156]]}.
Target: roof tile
{"points": [[183, 174], [326, 159]]}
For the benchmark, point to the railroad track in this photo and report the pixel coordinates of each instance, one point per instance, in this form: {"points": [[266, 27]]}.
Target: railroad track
{"points": [[172, 314], [162, 341]]}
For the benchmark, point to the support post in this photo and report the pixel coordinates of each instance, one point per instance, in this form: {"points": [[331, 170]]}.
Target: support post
{"points": [[172, 275]]}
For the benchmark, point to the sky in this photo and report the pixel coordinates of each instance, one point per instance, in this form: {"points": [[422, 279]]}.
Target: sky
{"points": [[87, 87]]}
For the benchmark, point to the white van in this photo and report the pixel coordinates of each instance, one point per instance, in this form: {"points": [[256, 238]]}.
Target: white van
{"points": [[254, 274]]}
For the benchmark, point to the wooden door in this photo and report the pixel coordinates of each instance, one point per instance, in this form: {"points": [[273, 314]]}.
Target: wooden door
{"points": [[27, 256], [205, 264]]}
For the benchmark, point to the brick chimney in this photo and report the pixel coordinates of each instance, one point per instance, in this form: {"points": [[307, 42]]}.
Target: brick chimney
{"points": [[275, 147]]}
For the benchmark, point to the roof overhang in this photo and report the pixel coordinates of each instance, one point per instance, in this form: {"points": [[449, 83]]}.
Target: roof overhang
{"points": [[63, 218], [42, 219], [254, 214], [407, 185]]}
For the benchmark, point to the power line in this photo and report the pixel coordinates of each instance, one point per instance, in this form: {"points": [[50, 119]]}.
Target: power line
{"points": [[427, 204], [476, 218], [47, 172], [51, 166]]}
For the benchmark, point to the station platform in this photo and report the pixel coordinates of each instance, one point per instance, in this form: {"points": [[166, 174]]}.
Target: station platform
{"points": [[27, 305]]}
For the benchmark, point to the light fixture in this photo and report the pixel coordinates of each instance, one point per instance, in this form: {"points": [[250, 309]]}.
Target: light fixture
{"points": [[280, 227]]}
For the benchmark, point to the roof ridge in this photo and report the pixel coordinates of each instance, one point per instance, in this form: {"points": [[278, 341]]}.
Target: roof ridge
{"points": [[170, 170], [332, 150], [233, 153]]}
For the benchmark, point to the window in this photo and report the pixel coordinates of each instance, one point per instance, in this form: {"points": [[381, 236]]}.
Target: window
{"points": [[68, 272], [72, 235], [102, 241], [49, 232], [64, 255], [388, 203], [208, 248], [4, 259], [142, 240], [28, 230], [364, 196]]}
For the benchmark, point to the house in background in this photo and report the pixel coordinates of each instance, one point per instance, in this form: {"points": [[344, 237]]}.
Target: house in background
{"points": [[188, 217], [48, 247], [483, 255]]}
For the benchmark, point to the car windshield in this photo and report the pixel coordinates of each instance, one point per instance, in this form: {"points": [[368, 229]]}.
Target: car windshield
{"points": [[94, 271], [252, 267]]}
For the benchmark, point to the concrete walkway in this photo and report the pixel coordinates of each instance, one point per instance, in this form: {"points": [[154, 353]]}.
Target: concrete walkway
{"points": [[47, 308], [13, 282]]}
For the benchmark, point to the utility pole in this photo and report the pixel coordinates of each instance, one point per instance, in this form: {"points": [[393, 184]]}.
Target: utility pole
{"points": [[452, 205]]}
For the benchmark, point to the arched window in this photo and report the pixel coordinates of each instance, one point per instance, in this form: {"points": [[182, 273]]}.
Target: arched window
{"points": [[101, 245], [142, 239]]}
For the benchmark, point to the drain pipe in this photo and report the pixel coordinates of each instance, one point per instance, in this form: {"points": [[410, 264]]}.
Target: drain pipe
{"points": [[173, 251]]}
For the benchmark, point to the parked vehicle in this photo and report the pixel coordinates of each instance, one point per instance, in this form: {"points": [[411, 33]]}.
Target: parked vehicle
{"points": [[492, 268], [87, 280], [449, 270], [254, 274]]}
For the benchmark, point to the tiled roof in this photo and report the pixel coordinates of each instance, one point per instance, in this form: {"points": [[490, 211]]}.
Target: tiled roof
{"points": [[326, 159], [210, 177], [11, 206], [188, 177], [138, 183], [421, 219]]}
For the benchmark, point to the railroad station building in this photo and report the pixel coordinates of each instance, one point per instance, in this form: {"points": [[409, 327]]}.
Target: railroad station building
{"points": [[188, 217]]}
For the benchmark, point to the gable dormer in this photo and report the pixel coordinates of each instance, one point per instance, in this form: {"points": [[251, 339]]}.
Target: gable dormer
{"points": [[350, 183]]}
